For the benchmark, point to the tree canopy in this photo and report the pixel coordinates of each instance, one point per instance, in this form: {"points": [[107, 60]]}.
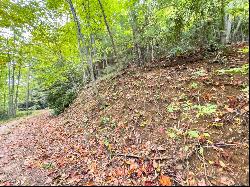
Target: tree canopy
{"points": [[53, 44]]}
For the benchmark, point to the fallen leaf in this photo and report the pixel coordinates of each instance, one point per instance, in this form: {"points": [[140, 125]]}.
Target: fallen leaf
{"points": [[155, 165], [222, 164], [148, 183], [90, 183], [165, 181], [227, 181], [229, 109], [202, 182], [133, 166], [48, 181]]}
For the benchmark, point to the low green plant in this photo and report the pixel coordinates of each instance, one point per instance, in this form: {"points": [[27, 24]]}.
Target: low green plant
{"points": [[246, 89], [187, 105], [183, 96], [48, 165], [174, 133], [194, 85], [193, 134], [207, 109], [244, 69], [105, 120], [172, 107]]}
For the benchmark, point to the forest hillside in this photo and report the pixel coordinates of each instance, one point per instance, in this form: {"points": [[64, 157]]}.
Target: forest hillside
{"points": [[185, 124]]}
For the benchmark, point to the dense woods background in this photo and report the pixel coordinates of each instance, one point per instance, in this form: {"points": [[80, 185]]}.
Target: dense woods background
{"points": [[50, 49]]}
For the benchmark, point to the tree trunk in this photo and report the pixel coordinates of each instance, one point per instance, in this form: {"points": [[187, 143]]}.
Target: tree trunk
{"points": [[152, 50], [222, 24], [80, 39], [237, 28], [108, 29], [228, 26], [13, 90], [9, 93], [28, 91], [133, 24], [17, 88]]}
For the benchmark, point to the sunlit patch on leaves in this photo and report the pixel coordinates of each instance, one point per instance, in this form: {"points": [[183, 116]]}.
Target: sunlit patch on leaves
{"points": [[201, 151], [165, 181], [206, 134], [144, 124], [244, 50], [199, 73], [216, 124]]}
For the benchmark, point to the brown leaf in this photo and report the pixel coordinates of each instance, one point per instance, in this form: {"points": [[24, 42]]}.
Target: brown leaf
{"points": [[155, 165], [227, 181], [229, 109], [149, 183], [6, 183], [165, 181], [133, 166], [90, 183], [202, 182], [49, 180]]}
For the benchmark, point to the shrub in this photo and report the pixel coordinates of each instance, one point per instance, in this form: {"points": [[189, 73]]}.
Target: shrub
{"points": [[62, 92], [60, 95], [3, 114]]}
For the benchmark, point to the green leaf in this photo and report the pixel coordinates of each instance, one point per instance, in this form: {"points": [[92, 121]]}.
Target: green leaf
{"points": [[193, 134]]}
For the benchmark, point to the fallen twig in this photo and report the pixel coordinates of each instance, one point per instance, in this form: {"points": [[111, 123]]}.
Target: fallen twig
{"points": [[222, 145], [143, 157]]}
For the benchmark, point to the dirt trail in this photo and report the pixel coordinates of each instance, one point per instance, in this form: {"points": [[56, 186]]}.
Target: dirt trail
{"points": [[13, 156]]}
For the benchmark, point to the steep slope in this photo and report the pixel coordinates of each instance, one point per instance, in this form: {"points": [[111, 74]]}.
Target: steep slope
{"points": [[170, 125]]}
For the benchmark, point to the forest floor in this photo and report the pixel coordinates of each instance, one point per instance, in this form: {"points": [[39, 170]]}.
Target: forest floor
{"points": [[181, 123]]}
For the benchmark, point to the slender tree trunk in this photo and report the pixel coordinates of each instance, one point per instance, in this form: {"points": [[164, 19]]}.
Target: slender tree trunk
{"points": [[105, 62], [137, 49], [237, 28], [242, 34], [228, 28], [9, 93], [4, 101], [80, 43], [17, 88], [222, 24], [108, 29], [13, 91], [28, 91], [152, 50]]}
